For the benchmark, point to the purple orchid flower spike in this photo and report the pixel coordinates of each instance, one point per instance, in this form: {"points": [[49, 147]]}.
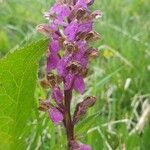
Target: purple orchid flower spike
{"points": [[70, 29]]}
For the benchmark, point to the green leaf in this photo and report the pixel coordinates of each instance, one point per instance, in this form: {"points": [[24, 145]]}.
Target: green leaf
{"points": [[146, 136], [18, 77]]}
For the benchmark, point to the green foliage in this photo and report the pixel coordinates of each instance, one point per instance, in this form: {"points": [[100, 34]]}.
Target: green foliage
{"points": [[18, 77]]}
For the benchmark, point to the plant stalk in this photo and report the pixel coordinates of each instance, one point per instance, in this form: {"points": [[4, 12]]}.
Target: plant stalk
{"points": [[67, 117]]}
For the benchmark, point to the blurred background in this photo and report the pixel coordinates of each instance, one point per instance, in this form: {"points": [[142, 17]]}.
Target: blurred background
{"points": [[119, 78]]}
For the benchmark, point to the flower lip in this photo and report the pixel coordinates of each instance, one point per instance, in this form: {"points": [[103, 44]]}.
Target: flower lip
{"points": [[74, 67], [92, 36], [92, 52], [80, 13], [70, 47], [54, 80]]}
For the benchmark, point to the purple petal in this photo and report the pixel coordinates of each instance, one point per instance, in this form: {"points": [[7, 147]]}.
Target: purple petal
{"points": [[81, 4], [61, 66], [81, 52], [80, 55], [65, 11], [69, 81], [60, 21], [54, 46], [85, 147], [79, 85], [82, 48], [54, 31], [54, 27], [57, 95], [75, 1], [85, 27], [52, 61], [71, 30], [84, 61], [55, 115], [55, 9], [60, 11]]}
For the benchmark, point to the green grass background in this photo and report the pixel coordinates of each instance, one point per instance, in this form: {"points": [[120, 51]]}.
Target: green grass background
{"points": [[124, 56]]}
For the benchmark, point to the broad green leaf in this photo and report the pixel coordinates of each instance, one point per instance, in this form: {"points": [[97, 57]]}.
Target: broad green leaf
{"points": [[18, 77]]}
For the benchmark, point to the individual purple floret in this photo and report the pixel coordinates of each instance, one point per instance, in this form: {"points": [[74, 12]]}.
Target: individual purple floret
{"points": [[70, 29], [55, 115], [85, 147], [57, 95]]}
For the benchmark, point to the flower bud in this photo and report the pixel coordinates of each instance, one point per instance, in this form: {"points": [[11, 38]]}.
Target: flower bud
{"points": [[57, 95], [82, 108], [45, 84], [70, 47], [44, 105], [80, 13], [54, 80], [92, 36], [92, 52], [44, 29], [55, 115]]}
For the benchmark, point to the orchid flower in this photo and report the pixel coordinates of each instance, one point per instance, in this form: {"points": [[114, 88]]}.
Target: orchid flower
{"points": [[70, 29]]}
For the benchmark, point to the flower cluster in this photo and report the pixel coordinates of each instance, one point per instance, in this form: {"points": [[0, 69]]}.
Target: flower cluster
{"points": [[70, 29]]}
